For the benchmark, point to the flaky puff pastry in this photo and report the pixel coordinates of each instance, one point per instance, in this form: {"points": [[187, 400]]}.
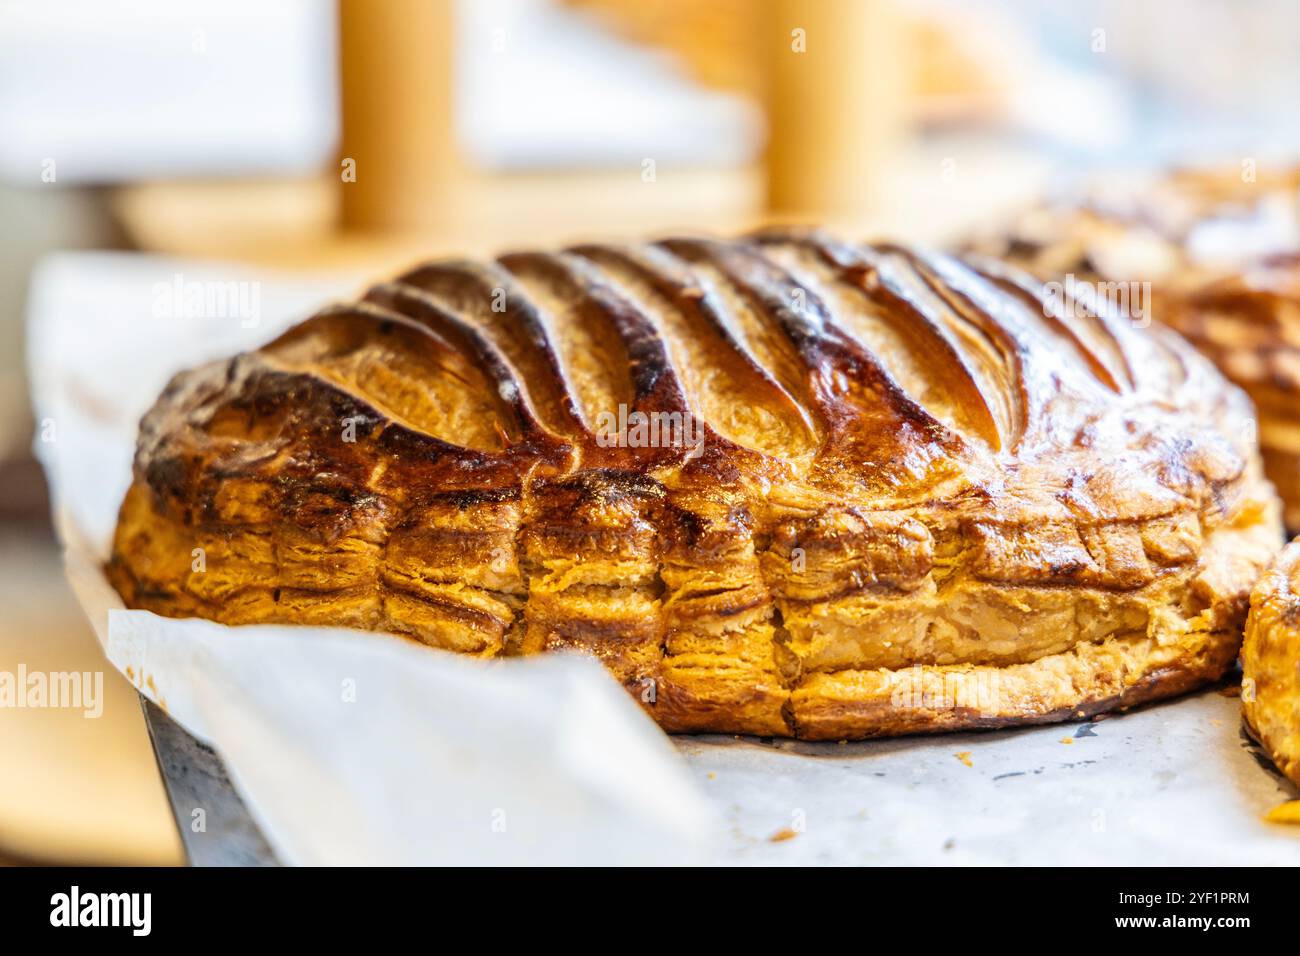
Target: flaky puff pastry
{"points": [[1270, 658], [779, 485]]}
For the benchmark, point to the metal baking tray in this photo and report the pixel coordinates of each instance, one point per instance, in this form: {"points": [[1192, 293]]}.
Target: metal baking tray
{"points": [[194, 778]]}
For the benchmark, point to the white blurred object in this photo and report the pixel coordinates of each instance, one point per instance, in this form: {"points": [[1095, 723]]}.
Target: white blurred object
{"points": [[113, 91], [541, 86]]}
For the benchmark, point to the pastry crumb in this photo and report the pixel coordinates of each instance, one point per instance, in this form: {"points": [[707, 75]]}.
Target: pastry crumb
{"points": [[1067, 740], [1288, 812], [780, 836], [964, 757], [712, 775]]}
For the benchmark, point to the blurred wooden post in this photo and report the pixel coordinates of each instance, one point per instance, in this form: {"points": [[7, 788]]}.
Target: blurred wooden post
{"points": [[836, 86], [397, 74]]}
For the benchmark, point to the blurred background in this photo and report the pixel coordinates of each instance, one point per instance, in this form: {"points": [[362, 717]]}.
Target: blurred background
{"points": [[307, 145]]}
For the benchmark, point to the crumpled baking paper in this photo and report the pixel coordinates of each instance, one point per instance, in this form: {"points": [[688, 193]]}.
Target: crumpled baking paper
{"points": [[437, 754]]}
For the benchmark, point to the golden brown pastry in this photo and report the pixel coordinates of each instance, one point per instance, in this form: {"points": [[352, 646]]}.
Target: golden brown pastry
{"points": [[1270, 660], [1214, 250], [778, 485]]}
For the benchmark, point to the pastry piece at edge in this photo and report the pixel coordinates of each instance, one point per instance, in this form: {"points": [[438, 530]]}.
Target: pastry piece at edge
{"points": [[1248, 324], [1222, 257], [778, 485], [1177, 229], [1270, 658]]}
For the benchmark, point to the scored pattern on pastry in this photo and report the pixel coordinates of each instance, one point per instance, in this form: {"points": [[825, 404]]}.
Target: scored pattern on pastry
{"points": [[891, 491]]}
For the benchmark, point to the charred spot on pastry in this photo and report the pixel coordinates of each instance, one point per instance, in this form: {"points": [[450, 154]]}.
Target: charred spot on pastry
{"points": [[165, 474], [468, 498], [608, 485]]}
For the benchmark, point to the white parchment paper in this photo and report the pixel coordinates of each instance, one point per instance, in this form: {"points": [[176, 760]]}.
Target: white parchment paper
{"points": [[366, 748]]}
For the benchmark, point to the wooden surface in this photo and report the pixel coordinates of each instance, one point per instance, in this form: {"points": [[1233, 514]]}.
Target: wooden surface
{"points": [[73, 789], [935, 191]]}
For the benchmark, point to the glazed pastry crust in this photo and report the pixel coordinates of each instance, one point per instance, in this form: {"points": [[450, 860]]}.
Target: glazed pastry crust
{"points": [[1270, 658], [905, 494]]}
